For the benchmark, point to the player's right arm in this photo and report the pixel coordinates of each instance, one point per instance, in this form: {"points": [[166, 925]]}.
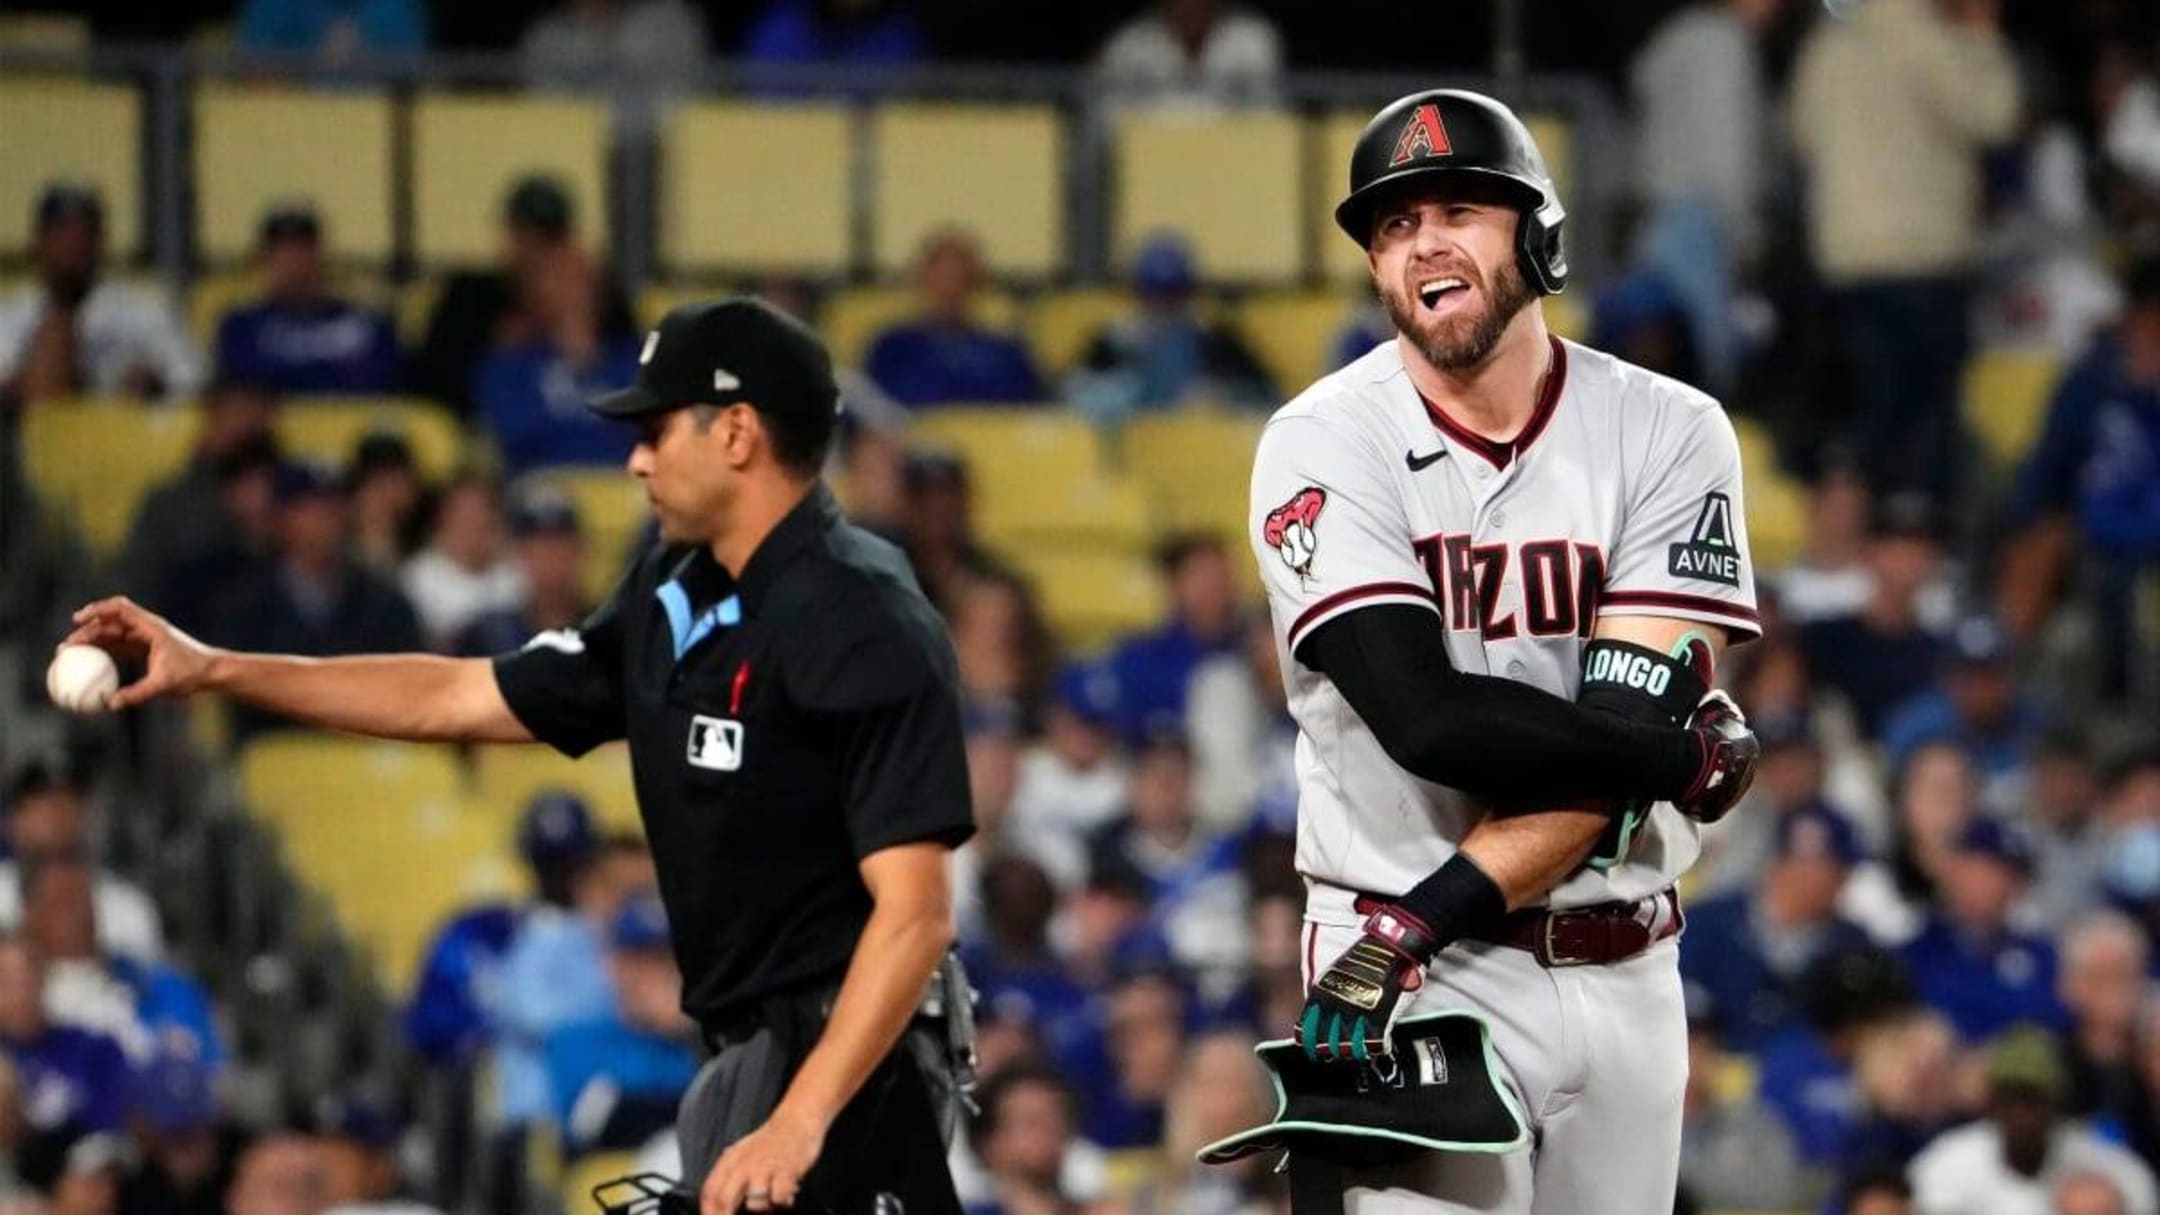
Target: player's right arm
{"points": [[415, 697]]}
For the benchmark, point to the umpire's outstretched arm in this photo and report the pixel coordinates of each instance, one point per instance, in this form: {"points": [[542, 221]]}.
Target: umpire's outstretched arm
{"points": [[414, 697]]}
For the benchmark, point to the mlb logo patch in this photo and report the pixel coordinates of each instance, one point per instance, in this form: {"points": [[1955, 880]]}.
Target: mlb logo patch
{"points": [[716, 744]]}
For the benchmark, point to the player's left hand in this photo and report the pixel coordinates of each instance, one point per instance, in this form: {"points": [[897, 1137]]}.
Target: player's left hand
{"points": [[1730, 751], [764, 1169], [1350, 1012]]}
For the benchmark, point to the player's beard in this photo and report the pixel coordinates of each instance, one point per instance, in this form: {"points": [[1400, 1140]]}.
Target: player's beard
{"points": [[1464, 340]]}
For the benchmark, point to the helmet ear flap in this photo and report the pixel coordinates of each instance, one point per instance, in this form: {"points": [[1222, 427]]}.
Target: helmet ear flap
{"points": [[1544, 260]]}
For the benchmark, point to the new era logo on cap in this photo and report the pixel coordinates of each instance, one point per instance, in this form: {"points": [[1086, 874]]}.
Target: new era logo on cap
{"points": [[725, 381]]}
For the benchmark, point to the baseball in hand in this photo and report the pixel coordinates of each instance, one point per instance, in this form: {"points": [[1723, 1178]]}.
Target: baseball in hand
{"points": [[82, 679]]}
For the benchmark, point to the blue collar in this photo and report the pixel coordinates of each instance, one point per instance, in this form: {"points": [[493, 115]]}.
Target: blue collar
{"points": [[687, 631]]}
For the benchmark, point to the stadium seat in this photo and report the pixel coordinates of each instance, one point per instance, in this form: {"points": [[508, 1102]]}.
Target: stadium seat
{"points": [[854, 316], [1776, 501], [612, 509], [65, 129], [1089, 597], [753, 188], [1227, 182], [506, 778], [46, 33], [1568, 316], [2006, 399], [255, 146], [1096, 514], [329, 428], [1294, 334], [1197, 469], [468, 149], [413, 306], [582, 1176], [383, 831], [1013, 452], [90, 461], [997, 171], [214, 294], [1060, 324]]}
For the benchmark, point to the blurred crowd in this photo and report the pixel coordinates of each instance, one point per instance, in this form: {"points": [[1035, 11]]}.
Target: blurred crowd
{"points": [[1920, 960]]}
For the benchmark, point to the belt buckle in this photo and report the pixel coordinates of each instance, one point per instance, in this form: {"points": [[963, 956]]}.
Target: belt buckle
{"points": [[1549, 954]]}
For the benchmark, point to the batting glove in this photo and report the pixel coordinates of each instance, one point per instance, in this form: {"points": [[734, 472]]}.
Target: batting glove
{"points": [[1353, 1005], [1730, 751]]}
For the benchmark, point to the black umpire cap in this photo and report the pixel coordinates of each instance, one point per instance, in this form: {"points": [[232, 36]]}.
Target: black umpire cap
{"points": [[735, 349]]}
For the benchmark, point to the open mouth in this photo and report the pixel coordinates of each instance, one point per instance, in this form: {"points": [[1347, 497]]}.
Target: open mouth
{"points": [[1433, 293]]}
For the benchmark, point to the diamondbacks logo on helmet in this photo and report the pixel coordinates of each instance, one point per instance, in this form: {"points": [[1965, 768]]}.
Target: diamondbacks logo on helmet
{"points": [[1423, 135], [1289, 529]]}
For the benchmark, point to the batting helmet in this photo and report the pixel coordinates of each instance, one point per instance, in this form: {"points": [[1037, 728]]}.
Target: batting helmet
{"points": [[1455, 131]]}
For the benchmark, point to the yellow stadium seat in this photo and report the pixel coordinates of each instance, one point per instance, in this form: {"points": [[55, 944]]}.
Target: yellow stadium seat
{"points": [[996, 171], [1776, 501], [1110, 514], [258, 146], [1293, 333], [328, 428], [1554, 135], [1567, 316], [1227, 182], [1088, 596], [469, 149], [756, 188], [91, 461], [506, 778], [1061, 324], [414, 306], [595, 1170], [854, 317], [62, 129], [383, 831], [613, 513], [2006, 399], [1013, 451], [1197, 469]]}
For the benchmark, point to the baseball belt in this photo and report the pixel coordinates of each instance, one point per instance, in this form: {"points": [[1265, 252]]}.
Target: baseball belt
{"points": [[1598, 935]]}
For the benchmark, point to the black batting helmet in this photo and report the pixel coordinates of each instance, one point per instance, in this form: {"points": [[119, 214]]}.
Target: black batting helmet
{"points": [[1456, 131]]}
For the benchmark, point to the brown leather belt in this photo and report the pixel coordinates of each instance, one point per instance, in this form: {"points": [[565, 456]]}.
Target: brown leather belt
{"points": [[1598, 935]]}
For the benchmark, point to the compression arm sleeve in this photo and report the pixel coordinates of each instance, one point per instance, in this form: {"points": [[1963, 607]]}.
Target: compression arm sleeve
{"points": [[1489, 737]]}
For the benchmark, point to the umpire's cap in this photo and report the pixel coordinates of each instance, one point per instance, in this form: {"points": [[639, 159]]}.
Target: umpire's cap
{"points": [[729, 350], [1455, 131]]}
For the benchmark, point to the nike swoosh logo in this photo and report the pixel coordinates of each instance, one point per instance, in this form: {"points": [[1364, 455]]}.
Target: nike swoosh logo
{"points": [[1420, 463]]}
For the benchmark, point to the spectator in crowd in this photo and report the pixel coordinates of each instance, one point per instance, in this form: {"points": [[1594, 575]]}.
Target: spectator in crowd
{"points": [[465, 571], [1702, 113], [1073, 777], [2089, 1194], [1906, 1077], [944, 354], [1936, 797], [2104, 987], [530, 394], [2118, 508], [873, 467], [2008, 1162], [1734, 1153], [1975, 704], [183, 522], [1788, 781], [1125, 1070], [383, 482], [1876, 1193], [1165, 355], [2105, 403], [337, 32], [1013, 957], [555, 973], [938, 529], [993, 763], [1891, 109], [1106, 928], [48, 814], [185, 1166], [299, 338], [1968, 960], [358, 1149], [1846, 997], [316, 599], [73, 1081], [1830, 577], [1884, 653], [1028, 1156], [837, 33], [1747, 949], [616, 1079], [1154, 670], [1642, 319], [149, 1008], [642, 52], [1197, 886], [88, 1178], [1218, 1093], [1244, 741], [548, 546], [74, 330], [1003, 648], [2069, 842], [547, 285], [282, 1173], [1203, 53]]}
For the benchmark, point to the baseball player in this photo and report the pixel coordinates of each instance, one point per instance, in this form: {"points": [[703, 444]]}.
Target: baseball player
{"points": [[1500, 566]]}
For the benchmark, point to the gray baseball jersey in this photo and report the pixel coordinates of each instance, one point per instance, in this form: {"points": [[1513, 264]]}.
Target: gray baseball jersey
{"points": [[1621, 496]]}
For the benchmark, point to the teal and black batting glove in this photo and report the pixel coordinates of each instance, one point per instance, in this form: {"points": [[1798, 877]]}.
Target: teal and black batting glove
{"points": [[1354, 1003]]}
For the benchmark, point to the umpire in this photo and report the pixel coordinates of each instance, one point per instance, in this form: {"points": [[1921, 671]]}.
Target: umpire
{"points": [[789, 700]]}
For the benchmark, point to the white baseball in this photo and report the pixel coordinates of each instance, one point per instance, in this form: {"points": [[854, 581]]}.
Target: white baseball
{"points": [[82, 679]]}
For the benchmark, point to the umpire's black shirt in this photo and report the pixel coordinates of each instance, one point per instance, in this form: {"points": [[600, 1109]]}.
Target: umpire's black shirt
{"points": [[782, 727]]}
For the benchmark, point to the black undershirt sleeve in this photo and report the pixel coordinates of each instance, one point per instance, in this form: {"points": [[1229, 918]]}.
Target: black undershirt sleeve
{"points": [[1489, 737]]}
